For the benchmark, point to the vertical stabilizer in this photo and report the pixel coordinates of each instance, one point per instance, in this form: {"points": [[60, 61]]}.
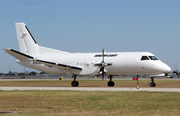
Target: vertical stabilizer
{"points": [[27, 43]]}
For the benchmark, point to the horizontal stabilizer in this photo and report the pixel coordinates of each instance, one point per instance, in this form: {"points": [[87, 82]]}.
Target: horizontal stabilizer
{"points": [[18, 55]]}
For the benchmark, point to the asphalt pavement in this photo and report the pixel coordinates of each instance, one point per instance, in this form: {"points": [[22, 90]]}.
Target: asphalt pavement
{"points": [[92, 89]]}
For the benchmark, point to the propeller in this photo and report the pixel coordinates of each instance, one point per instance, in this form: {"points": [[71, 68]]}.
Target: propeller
{"points": [[103, 64]]}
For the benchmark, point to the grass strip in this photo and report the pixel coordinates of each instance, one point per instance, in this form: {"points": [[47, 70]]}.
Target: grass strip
{"points": [[102, 103], [90, 83]]}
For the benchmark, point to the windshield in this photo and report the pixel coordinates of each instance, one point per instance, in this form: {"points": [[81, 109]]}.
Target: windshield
{"points": [[153, 58], [144, 58]]}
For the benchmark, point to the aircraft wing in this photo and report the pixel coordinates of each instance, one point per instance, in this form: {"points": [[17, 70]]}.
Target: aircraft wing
{"points": [[57, 65], [22, 56], [18, 55]]}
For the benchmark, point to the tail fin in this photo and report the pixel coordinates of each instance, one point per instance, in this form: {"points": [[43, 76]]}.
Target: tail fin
{"points": [[27, 43]]}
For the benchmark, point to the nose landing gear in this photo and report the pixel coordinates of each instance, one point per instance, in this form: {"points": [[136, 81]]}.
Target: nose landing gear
{"points": [[152, 84]]}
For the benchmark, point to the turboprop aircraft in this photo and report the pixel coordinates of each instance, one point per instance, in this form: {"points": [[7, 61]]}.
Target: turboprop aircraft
{"points": [[53, 61]]}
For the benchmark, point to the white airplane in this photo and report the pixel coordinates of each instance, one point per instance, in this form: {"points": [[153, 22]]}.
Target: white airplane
{"points": [[59, 62]]}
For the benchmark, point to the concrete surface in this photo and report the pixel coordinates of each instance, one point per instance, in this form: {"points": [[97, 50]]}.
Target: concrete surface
{"points": [[92, 89]]}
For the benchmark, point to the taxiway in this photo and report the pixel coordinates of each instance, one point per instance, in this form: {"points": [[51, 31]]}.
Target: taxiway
{"points": [[92, 89]]}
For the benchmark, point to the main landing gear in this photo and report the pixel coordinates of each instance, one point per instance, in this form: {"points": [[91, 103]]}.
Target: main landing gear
{"points": [[110, 83], [74, 83], [152, 84]]}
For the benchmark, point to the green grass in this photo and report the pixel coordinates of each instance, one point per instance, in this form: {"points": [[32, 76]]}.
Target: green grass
{"points": [[91, 83], [68, 103], [55, 103]]}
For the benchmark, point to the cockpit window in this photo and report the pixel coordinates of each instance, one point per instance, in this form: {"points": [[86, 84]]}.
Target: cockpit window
{"points": [[144, 58], [153, 58]]}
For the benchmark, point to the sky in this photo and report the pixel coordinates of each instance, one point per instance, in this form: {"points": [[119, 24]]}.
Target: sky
{"points": [[90, 25]]}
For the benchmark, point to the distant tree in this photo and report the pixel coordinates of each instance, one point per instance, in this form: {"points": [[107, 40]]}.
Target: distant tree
{"points": [[42, 73], [32, 73], [176, 72], [10, 73], [21, 74], [1, 74]]}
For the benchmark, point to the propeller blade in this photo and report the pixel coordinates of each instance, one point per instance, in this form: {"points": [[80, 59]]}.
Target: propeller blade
{"points": [[102, 73], [103, 55], [103, 63], [109, 64]]}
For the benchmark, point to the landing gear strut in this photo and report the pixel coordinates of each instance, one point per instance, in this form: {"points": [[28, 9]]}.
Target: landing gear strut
{"points": [[110, 83], [137, 82], [152, 84], [74, 83]]}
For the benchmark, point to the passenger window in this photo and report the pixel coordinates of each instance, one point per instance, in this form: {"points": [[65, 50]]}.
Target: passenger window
{"points": [[153, 58], [144, 58]]}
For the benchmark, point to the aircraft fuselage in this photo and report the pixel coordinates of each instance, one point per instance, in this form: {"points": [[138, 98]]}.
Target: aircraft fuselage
{"points": [[123, 63]]}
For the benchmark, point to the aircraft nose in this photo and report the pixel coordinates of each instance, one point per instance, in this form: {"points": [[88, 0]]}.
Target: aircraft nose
{"points": [[166, 68], [162, 67]]}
